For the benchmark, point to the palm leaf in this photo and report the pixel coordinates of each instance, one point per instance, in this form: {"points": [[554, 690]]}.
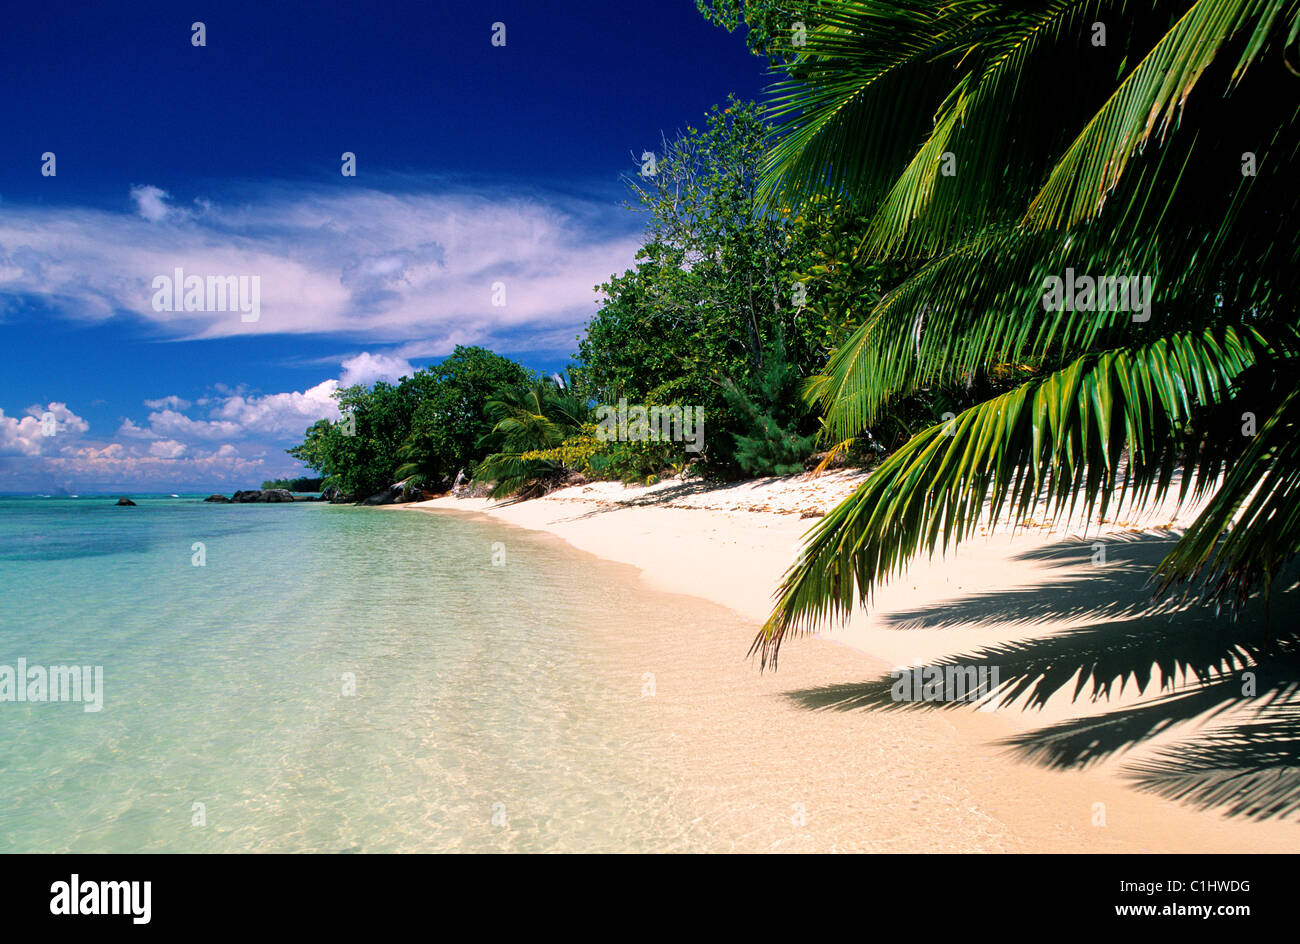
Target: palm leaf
{"points": [[1107, 427]]}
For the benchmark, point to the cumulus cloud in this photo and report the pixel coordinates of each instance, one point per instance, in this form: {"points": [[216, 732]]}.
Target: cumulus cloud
{"points": [[158, 465], [279, 414], [363, 263], [166, 449], [44, 430], [230, 416], [366, 368]]}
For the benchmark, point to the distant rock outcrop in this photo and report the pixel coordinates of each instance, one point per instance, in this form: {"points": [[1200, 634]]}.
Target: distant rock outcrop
{"points": [[262, 495], [126, 501], [221, 499]]}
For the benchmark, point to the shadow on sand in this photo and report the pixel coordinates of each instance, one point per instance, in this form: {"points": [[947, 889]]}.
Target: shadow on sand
{"points": [[1240, 677]]}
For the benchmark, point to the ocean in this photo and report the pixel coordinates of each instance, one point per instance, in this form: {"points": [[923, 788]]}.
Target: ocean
{"points": [[318, 678]]}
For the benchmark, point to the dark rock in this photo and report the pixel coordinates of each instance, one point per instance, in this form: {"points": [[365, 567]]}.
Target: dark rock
{"points": [[412, 493], [221, 499], [126, 501], [401, 491], [258, 495], [386, 497]]}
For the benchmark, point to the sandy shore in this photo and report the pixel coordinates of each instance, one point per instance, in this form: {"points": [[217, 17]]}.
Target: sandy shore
{"points": [[809, 759]]}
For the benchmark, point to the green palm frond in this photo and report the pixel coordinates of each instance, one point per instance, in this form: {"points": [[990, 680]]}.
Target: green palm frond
{"points": [[1251, 526], [1148, 101], [862, 67], [928, 206], [1108, 428], [1169, 155]]}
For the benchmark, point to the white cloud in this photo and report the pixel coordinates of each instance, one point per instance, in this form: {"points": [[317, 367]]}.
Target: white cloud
{"points": [[170, 423], [238, 416], [44, 430], [366, 368], [230, 436], [172, 402], [167, 449], [383, 266], [151, 202], [279, 414]]}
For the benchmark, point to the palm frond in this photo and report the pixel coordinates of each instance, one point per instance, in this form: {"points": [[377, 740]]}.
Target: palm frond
{"points": [[1147, 103], [1107, 428]]}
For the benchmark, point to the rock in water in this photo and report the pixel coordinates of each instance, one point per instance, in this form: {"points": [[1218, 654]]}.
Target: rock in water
{"points": [[269, 495], [126, 501], [218, 498]]}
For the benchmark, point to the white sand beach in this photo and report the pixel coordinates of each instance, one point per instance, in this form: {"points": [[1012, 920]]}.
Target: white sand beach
{"points": [[807, 758]]}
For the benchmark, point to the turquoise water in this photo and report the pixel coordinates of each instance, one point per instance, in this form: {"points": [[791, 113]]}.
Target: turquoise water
{"points": [[487, 714]]}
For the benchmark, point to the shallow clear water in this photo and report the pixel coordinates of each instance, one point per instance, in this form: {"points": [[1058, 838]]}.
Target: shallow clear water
{"points": [[487, 714]]}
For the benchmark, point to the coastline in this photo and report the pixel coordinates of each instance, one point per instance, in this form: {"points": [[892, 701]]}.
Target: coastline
{"points": [[921, 780]]}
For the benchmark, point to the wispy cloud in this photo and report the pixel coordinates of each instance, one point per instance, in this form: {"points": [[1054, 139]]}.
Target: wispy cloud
{"points": [[406, 274], [386, 267]]}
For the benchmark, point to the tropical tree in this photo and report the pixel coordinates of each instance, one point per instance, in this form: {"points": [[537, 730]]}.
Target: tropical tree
{"points": [[447, 426], [359, 453], [717, 279], [1003, 148], [527, 420]]}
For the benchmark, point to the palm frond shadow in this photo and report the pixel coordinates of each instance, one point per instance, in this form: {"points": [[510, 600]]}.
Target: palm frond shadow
{"points": [[1118, 588], [1248, 770], [1238, 679]]}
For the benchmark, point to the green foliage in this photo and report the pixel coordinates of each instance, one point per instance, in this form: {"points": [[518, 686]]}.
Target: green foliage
{"points": [[769, 24], [771, 412], [715, 283], [573, 453], [358, 454], [1123, 159], [295, 485], [529, 422], [636, 462], [450, 422], [424, 427]]}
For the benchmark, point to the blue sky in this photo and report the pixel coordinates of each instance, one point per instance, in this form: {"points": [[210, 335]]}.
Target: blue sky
{"points": [[475, 164]]}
